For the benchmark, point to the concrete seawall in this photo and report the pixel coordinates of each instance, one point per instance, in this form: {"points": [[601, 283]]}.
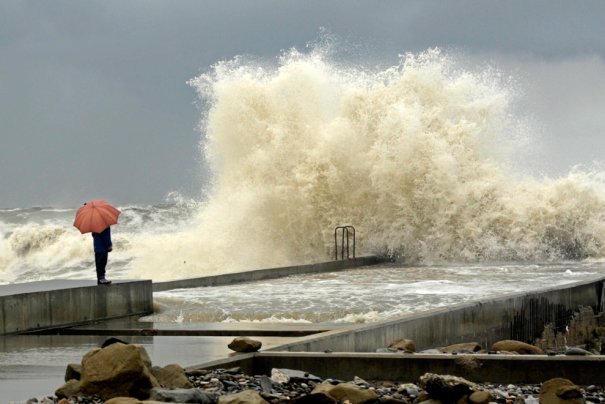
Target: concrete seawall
{"points": [[37, 306], [518, 316], [263, 274], [59, 303], [350, 351], [503, 369]]}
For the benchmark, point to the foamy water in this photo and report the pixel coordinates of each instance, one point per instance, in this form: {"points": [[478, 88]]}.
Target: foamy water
{"points": [[363, 295], [424, 158]]}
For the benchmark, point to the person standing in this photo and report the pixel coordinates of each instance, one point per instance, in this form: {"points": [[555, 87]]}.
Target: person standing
{"points": [[102, 246]]}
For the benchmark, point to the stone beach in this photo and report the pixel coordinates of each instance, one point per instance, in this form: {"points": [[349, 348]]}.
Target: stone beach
{"points": [[172, 383], [122, 373], [217, 383]]}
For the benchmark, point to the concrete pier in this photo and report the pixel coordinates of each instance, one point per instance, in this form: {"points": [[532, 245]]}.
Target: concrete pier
{"points": [[60, 303], [518, 316], [350, 351], [341, 351], [270, 273]]}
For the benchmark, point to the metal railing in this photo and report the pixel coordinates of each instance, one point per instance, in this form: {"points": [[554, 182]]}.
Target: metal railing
{"points": [[346, 233]]}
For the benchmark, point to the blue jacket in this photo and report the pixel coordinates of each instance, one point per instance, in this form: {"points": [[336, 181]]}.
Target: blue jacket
{"points": [[102, 241]]}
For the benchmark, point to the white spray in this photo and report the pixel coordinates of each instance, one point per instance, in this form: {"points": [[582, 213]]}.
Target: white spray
{"points": [[406, 155]]}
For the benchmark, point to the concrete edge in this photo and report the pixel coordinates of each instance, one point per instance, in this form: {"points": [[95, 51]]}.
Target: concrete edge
{"points": [[533, 369], [269, 273], [354, 346], [356, 330], [47, 309]]}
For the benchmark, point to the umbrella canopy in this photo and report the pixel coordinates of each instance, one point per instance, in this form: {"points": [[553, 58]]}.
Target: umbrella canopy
{"points": [[95, 216]]}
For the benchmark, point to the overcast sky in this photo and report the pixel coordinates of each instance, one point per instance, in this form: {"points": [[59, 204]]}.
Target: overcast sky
{"points": [[94, 100]]}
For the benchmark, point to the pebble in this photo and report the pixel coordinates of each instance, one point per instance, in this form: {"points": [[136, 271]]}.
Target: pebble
{"points": [[220, 382]]}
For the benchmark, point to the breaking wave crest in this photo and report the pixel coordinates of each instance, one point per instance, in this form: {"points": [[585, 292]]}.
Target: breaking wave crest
{"points": [[424, 158], [418, 157]]}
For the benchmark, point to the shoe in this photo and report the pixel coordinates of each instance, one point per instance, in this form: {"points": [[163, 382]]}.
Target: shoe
{"points": [[103, 281]]}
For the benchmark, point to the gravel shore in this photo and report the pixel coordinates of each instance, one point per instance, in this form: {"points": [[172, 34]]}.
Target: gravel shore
{"points": [[220, 382]]}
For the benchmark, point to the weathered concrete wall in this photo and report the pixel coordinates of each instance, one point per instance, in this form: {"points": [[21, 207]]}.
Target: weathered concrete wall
{"points": [[262, 274], [42, 305], [400, 367], [519, 316], [343, 354]]}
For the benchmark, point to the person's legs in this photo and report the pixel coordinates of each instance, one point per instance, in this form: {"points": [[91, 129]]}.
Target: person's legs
{"points": [[101, 263]]}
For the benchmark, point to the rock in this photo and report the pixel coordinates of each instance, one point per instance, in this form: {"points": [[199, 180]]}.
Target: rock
{"points": [[346, 391], [560, 391], [118, 370], [410, 389], [180, 396], [406, 345], [386, 350], [70, 389], [112, 340], [299, 376], [432, 351], [266, 384], [278, 376], [575, 351], [123, 400], [480, 397], [391, 400], [446, 388], [315, 398], [359, 381], [63, 401], [519, 347], [244, 397], [468, 362], [73, 371], [171, 377], [464, 347], [244, 344]]}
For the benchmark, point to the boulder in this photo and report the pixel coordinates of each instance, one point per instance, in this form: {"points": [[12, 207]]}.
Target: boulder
{"points": [[315, 398], [346, 391], [481, 397], [406, 345], [576, 351], [112, 340], [123, 400], [432, 351], [244, 344], [244, 397], [180, 396], [560, 391], [391, 400], [73, 371], [283, 375], [387, 350], [171, 377], [71, 388], [118, 370], [519, 347], [446, 388], [464, 347]]}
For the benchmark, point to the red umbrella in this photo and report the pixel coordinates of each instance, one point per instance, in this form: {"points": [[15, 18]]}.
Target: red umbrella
{"points": [[95, 216]]}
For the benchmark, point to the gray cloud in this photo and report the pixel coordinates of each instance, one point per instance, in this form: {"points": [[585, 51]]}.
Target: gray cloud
{"points": [[93, 95]]}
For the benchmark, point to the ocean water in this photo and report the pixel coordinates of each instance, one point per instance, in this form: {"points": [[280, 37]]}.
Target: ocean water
{"points": [[429, 159]]}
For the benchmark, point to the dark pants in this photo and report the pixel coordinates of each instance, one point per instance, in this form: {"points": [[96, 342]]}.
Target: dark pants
{"points": [[101, 263]]}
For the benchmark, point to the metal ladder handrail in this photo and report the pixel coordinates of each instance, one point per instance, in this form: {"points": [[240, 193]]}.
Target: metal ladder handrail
{"points": [[345, 230]]}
